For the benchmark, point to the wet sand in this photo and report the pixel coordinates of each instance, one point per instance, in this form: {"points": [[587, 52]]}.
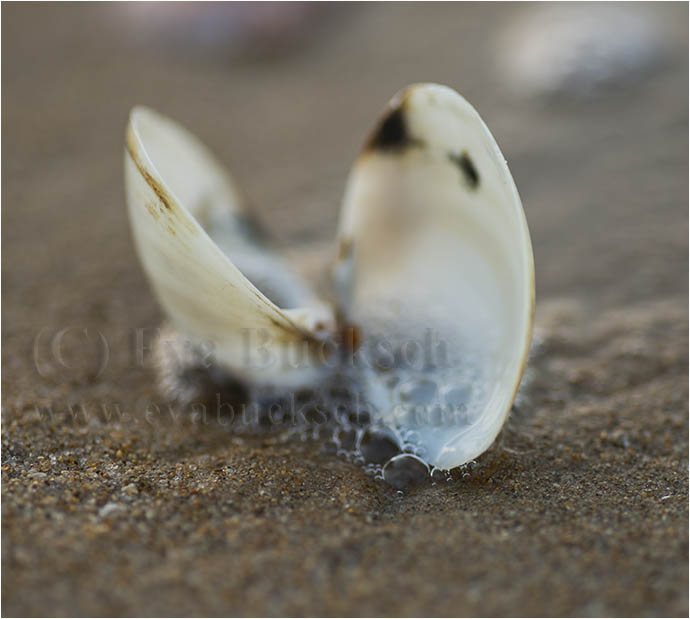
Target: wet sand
{"points": [[580, 509]]}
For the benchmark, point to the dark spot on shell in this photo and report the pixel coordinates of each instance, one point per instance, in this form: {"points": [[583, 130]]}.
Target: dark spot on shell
{"points": [[392, 133], [467, 167]]}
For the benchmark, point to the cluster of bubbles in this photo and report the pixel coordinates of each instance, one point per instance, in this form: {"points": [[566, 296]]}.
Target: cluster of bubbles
{"points": [[373, 415], [350, 425]]}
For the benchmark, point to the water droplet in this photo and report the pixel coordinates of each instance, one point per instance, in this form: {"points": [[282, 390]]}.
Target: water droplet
{"points": [[438, 474], [405, 470], [347, 438], [378, 445]]}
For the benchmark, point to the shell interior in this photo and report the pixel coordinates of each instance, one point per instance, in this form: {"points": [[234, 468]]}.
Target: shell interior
{"points": [[439, 272]]}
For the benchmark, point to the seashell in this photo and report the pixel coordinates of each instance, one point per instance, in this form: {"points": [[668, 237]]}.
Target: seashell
{"points": [[193, 235], [577, 51], [433, 277], [434, 245]]}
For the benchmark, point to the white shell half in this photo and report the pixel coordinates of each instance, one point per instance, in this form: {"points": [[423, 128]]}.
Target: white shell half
{"points": [[435, 257], [177, 194]]}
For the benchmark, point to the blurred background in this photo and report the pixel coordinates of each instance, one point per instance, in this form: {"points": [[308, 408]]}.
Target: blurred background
{"points": [[589, 104]]}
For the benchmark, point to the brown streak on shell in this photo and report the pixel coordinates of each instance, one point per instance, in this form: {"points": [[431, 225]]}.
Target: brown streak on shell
{"points": [[167, 204], [151, 208], [291, 330], [150, 181], [351, 337], [345, 248]]}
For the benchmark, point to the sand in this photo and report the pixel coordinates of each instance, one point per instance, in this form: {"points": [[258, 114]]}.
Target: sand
{"points": [[580, 509]]}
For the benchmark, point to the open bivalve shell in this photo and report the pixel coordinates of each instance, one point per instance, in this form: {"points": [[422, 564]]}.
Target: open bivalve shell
{"points": [[433, 271], [193, 235]]}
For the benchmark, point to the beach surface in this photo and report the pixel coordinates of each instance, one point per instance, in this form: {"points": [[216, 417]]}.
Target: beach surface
{"points": [[115, 504]]}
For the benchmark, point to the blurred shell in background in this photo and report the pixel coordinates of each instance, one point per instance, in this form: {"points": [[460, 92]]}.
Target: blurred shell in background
{"points": [[234, 28], [577, 49]]}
